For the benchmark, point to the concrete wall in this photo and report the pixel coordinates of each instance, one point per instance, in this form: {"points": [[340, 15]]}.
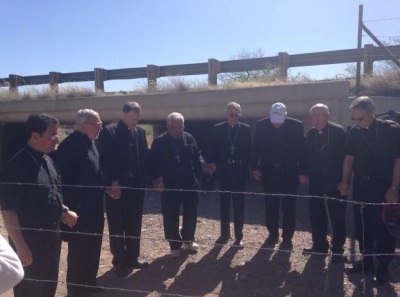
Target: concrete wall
{"points": [[199, 105]]}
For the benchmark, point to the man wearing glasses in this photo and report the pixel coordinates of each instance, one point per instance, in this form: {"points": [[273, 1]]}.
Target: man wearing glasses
{"points": [[32, 207], [373, 159], [229, 157], [83, 188], [278, 149]]}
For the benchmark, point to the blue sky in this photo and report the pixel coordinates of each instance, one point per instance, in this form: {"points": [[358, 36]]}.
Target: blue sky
{"points": [[73, 36]]}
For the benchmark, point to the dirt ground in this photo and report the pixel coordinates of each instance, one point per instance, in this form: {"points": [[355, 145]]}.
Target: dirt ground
{"points": [[227, 271]]}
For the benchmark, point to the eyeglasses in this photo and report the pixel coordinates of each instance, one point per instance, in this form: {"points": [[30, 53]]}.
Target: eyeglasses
{"points": [[55, 137], [234, 115], [95, 124]]}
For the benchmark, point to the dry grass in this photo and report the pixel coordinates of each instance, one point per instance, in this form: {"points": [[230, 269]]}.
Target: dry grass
{"points": [[382, 83]]}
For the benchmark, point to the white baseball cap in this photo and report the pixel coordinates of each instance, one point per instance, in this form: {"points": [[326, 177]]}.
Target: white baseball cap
{"points": [[278, 113]]}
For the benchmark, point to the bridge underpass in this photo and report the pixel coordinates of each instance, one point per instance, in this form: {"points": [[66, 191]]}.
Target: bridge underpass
{"points": [[201, 109]]}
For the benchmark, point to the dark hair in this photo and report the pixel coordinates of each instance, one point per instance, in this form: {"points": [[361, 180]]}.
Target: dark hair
{"points": [[129, 106], [363, 102], [38, 123]]}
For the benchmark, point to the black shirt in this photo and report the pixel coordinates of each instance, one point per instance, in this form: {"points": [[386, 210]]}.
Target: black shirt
{"points": [[124, 154], [374, 149], [325, 155], [175, 160], [280, 148], [78, 162], [37, 199]]}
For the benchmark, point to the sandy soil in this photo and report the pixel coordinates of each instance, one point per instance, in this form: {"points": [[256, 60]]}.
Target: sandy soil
{"points": [[227, 271]]}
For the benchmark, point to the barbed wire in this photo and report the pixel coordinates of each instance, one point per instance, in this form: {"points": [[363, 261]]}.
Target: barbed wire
{"points": [[107, 236], [382, 20]]}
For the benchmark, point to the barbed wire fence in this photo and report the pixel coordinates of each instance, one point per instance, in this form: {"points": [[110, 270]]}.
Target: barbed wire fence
{"points": [[295, 250]]}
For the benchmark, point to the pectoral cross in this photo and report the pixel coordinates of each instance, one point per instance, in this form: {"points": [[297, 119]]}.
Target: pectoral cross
{"points": [[232, 149], [177, 158]]}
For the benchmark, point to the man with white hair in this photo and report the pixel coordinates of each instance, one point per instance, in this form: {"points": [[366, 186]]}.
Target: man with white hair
{"points": [[278, 148], [325, 144], [83, 187], [174, 157]]}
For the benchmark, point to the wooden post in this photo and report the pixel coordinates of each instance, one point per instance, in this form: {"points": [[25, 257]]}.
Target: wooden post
{"points": [[214, 67], [368, 59], [14, 80], [54, 80], [100, 75], [153, 72], [284, 63]]}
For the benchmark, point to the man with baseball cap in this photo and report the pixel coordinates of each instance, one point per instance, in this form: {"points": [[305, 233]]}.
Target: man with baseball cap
{"points": [[278, 148]]}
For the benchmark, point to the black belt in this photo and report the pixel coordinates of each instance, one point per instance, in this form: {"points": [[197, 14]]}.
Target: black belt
{"points": [[369, 177], [233, 161]]}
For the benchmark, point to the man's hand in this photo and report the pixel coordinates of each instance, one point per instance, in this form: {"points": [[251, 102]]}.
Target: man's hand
{"points": [[114, 191], [24, 254], [70, 218], [257, 175], [303, 179], [343, 188], [158, 184], [392, 195]]}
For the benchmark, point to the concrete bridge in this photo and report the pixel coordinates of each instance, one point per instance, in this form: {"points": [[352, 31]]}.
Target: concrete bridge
{"points": [[200, 108]]}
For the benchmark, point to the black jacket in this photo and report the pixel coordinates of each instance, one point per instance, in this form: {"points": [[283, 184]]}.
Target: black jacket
{"points": [[282, 147], [116, 154]]}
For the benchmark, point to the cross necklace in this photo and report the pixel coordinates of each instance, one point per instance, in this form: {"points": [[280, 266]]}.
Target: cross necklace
{"points": [[232, 142], [176, 150]]}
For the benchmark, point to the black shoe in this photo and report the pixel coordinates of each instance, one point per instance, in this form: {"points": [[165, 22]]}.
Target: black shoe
{"points": [[381, 277], [271, 240], [359, 266], [138, 264], [315, 249], [120, 271], [223, 240], [239, 243]]}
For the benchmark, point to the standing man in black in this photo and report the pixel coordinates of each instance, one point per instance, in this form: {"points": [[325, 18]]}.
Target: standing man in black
{"points": [[229, 155], [373, 155], [78, 161], [278, 147], [325, 144], [124, 154], [32, 207], [175, 157]]}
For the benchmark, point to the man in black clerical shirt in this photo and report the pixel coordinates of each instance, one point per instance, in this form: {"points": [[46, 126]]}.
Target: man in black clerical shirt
{"points": [[78, 161], [124, 155], [325, 144], [278, 147], [229, 156], [373, 155], [32, 207], [175, 157]]}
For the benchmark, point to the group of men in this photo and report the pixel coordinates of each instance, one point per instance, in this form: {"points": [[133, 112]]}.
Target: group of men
{"points": [[40, 192]]}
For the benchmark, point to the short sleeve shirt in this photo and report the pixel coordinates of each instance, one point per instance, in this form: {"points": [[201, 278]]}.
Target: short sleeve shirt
{"points": [[374, 149], [30, 186]]}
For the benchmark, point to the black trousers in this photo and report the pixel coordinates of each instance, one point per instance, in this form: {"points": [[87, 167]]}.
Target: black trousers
{"points": [[43, 272], [372, 234], [84, 253], [171, 202], [125, 220], [273, 202], [238, 201], [320, 217]]}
